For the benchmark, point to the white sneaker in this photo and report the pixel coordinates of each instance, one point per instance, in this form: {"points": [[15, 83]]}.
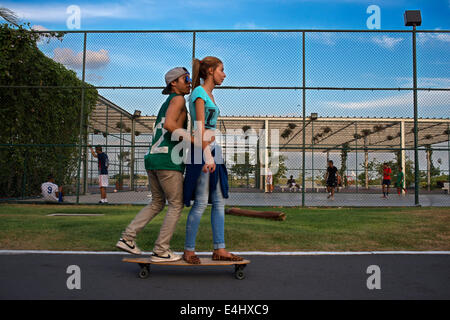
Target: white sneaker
{"points": [[128, 246], [167, 256]]}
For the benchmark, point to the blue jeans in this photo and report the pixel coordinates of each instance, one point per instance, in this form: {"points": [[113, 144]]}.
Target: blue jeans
{"points": [[217, 214]]}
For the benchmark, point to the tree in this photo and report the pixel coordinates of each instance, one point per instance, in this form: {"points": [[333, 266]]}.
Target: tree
{"points": [[39, 125], [244, 170]]}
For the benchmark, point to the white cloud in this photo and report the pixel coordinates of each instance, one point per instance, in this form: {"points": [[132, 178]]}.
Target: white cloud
{"points": [[94, 59], [52, 13], [403, 100], [39, 28], [386, 41], [423, 38], [426, 82], [246, 25]]}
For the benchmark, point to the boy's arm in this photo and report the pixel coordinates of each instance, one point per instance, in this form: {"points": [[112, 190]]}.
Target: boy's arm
{"points": [[92, 151], [174, 115]]}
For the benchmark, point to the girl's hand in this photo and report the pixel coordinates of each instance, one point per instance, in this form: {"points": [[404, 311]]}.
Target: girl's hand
{"points": [[211, 167]]}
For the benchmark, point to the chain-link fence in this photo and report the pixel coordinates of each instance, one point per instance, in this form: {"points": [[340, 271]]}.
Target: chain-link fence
{"points": [[292, 101]]}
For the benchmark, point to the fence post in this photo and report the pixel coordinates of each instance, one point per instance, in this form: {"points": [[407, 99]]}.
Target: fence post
{"points": [[312, 157], [356, 156], [24, 177], [132, 156], [403, 153], [416, 151], [448, 153], [81, 119], [304, 119]]}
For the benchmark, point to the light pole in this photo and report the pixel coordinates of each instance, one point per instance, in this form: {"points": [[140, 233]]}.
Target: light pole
{"points": [[413, 18]]}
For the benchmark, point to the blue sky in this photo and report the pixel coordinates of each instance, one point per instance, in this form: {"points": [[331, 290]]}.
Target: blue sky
{"points": [[229, 14], [265, 59]]}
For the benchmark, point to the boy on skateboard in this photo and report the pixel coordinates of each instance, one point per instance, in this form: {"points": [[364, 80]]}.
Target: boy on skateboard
{"points": [[166, 176]]}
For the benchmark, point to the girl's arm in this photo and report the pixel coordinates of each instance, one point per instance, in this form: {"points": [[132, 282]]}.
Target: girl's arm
{"points": [[199, 135]]}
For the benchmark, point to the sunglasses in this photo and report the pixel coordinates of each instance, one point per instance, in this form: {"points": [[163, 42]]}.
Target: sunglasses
{"points": [[187, 79]]}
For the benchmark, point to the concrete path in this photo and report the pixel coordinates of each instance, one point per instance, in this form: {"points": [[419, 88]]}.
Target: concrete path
{"points": [[363, 276]]}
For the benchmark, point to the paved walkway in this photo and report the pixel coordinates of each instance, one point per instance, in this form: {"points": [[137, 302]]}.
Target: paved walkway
{"points": [[390, 276]]}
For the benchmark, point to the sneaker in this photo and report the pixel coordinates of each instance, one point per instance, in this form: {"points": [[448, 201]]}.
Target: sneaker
{"points": [[128, 246], [167, 256]]}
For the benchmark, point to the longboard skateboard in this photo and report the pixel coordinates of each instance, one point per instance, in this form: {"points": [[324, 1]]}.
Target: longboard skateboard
{"points": [[145, 263]]}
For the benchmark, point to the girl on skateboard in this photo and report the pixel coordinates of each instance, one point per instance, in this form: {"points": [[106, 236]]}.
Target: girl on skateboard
{"points": [[206, 181]]}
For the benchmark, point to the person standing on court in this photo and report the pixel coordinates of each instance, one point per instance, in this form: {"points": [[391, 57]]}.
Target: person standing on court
{"points": [[206, 179], [165, 173], [400, 183], [386, 180], [103, 164], [269, 181], [332, 179]]}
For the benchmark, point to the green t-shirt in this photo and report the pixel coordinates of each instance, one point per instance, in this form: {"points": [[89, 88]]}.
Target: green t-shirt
{"points": [[160, 154], [399, 177]]}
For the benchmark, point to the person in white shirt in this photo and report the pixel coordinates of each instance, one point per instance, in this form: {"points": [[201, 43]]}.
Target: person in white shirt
{"points": [[50, 191]]}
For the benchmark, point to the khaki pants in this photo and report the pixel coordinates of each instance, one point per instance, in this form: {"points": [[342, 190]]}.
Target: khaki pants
{"points": [[164, 184]]}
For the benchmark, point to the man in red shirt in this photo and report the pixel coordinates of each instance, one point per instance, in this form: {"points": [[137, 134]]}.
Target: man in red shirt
{"points": [[386, 179]]}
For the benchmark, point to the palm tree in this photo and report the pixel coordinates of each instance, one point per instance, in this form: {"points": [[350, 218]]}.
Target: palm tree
{"points": [[9, 16]]}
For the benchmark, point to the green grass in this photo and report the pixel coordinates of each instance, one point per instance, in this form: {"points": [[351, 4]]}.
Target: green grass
{"points": [[305, 229]]}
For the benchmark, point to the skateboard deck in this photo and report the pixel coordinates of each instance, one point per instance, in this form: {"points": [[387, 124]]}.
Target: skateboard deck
{"points": [[145, 263]]}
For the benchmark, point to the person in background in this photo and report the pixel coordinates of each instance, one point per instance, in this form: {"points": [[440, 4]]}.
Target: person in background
{"points": [[103, 164], [269, 180], [332, 179], [400, 183], [50, 191], [292, 184], [386, 180]]}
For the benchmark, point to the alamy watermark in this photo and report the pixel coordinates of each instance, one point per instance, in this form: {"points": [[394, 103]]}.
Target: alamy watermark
{"points": [[74, 280], [74, 19], [374, 20], [234, 146], [374, 280]]}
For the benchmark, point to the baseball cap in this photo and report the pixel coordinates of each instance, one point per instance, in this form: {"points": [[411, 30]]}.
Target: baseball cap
{"points": [[172, 75]]}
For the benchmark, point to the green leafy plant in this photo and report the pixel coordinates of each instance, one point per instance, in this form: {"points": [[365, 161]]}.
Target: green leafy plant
{"points": [[40, 123]]}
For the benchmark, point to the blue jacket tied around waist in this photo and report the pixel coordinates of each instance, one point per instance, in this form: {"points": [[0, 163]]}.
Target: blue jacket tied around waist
{"points": [[193, 172]]}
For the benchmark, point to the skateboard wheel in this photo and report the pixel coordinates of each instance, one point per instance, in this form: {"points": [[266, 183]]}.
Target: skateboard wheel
{"points": [[144, 273], [239, 274]]}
